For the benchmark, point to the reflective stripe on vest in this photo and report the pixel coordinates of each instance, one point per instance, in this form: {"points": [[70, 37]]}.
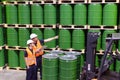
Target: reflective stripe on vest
{"points": [[31, 57], [38, 46]]}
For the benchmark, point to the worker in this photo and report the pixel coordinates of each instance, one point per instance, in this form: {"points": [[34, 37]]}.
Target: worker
{"points": [[30, 59], [39, 49]]}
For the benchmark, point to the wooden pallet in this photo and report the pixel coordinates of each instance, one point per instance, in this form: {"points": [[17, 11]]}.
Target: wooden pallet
{"points": [[13, 68], [36, 26], [103, 1], [71, 1], [73, 27], [102, 27], [14, 48], [49, 26], [23, 26], [16, 2], [49, 1], [10, 25]]}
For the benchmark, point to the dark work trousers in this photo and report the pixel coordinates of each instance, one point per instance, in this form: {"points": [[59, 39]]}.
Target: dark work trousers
{"points": [[31, 73], [39, 64]]}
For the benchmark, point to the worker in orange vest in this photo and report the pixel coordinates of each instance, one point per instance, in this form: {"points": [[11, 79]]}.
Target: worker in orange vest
{"points": [[39, 49], [30, 59]]}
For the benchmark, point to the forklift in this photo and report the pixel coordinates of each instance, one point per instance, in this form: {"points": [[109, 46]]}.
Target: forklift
{"points": [[90, 71]]}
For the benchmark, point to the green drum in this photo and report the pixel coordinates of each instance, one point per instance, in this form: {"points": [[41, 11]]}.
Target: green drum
{"points": [[81, 61], [110, 14], [64, 39], [2, 58], [48, 33], [65, 14], [50, 67], [13, 58], [117, 66], [23, 34], [23, 14], [94, 14], [98, 41], [68, 67], [1, 36], [80, 14], [12, 37], [49, 14], [78, 39], [78, 55], [97, 61], [36, 14], [11, 14], [104, 36], [1, 14], [22, 60], [38, 32]]}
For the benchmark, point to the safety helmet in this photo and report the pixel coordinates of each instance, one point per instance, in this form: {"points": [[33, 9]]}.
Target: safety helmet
{"points": [[33, 35], [29, 41]]}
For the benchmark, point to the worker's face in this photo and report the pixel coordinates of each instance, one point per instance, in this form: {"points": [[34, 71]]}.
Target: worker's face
{"points": [[31, 44], [35, 39]]}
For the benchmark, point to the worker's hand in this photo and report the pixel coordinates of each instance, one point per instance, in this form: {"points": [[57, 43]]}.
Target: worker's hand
{"points": [[28, 67], [56, 37]]}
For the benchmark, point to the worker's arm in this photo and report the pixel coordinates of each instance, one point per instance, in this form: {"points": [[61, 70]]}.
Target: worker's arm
{"points": [[26, 63], [50, 39]]}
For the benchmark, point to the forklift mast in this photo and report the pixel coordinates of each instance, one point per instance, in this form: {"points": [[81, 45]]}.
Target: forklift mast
{"points": [[90, 54]]}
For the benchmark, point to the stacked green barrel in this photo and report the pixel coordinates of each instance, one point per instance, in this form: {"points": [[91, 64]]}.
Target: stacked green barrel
{"points": [[78, 39], [110, 14], [36, 14], [2, 58], [50, 67], [78, 55], [94, 14], [99, 39], [1, 36], [49, 14], [22, 60], [12, 37], [23, 14], [104, 36], [23, 36], [1, 14], [13, 58], [38, 32], [64, 39], [68, 67], [80, 14], [48, 33], [65, 14], [11, 14]]}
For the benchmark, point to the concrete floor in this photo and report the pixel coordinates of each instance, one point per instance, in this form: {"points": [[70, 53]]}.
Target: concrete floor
{"points": [[13, 75]]}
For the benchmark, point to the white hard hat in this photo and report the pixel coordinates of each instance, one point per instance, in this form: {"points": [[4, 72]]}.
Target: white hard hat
{"points": [[33, 35], [29, 41]]}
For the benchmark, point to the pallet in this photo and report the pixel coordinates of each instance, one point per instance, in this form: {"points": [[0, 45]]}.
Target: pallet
{"points": [[103, 1], [13, 68], [49, 26], [10, 25], [16, 2], [36, 26], [73, 27], [23, 26], [14, 48], [71, 1], [102, 27]]}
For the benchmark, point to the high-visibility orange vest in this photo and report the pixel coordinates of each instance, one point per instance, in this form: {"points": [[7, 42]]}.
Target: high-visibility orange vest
{"points": [[39, 46], [31, 57]]}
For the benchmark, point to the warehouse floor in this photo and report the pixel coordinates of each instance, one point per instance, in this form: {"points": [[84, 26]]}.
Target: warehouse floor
{"points": [[13, 75]]}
